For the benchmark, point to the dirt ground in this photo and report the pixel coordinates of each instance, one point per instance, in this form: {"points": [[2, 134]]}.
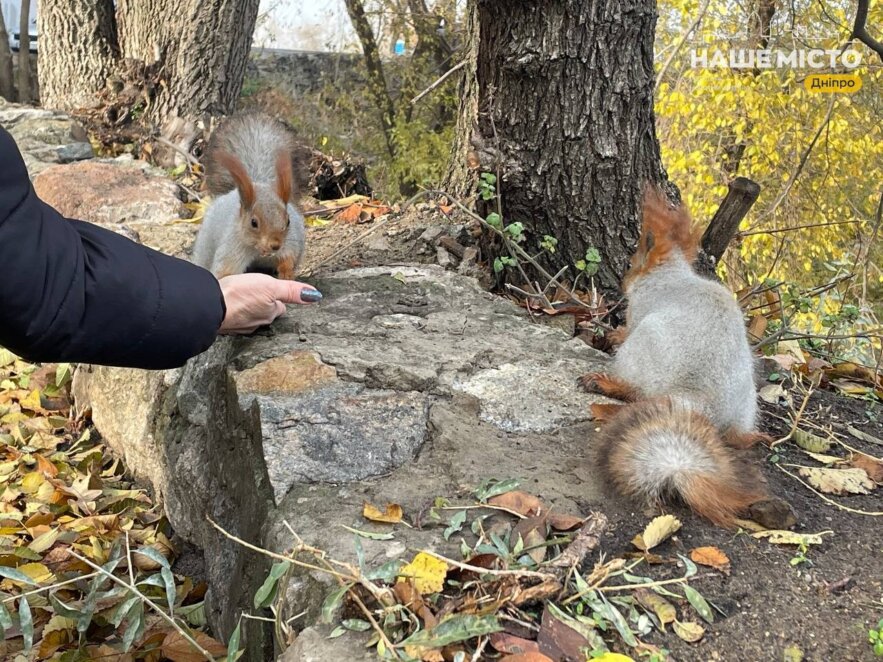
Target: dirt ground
{"points": [[823, 606]]}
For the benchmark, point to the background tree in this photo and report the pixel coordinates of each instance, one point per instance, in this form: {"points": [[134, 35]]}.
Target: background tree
{"points": [[7, 84], [25, 91], [192, 52], [558, 96]]}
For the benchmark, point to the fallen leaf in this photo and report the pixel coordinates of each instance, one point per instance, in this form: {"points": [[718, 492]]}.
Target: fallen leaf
{"points": [[792, 653], [825, 459], [502, 642], [810, 442], [792, 348], [838, 481], [178, 649], [520, 502], [561, 640], [774, 394], [538, 593], [664, 610], [426, 571], [688, 631], [863, 436], [656, 531], [756, 327], [533, 656], [712, 557], [612, 657], [781, 537], [699, 603], [870, 465], [392, 514], [561, 522], [785, 361]]}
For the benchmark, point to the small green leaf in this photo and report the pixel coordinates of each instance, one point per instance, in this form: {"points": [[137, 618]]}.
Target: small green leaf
{"points": [[5, 616], [387, 572], [154, 556], [456, 628], [494, 219], [491, 488], [134, 626], [489, 177], [233, 646], [370, 535], [62, 374], [356, 625], [456, 524], [16, 576], [267, 592], [332, 604], [689, 565], [699, 603], [592, 255], [26, 623], [498, 265], [122, 610]]}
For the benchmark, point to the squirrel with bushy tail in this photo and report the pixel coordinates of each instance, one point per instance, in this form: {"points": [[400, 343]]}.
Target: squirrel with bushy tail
{"points": [[254, 222], [685, 369]]}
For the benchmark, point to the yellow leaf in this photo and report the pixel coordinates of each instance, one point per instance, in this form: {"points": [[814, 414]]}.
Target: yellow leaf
{"points": [[37, 571], [656, 531], [31, 402], [427, 572], [838, 481], [781, 537], [688, 631], [31, 482], [393, 513], [44, 541], [810, 442], [613, 657]]}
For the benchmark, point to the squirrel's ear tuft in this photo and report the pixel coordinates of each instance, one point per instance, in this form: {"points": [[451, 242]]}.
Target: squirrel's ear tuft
{"points": [[240, 176], [284, 176]]}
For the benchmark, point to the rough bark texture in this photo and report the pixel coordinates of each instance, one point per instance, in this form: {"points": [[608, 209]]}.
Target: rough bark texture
{"points": [[7, 84], [199, 48], [376, 77], [567, 88], [25, 88]]}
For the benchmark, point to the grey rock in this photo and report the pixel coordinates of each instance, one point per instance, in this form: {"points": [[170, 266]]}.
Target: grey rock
{"points": [[45, 137], [313, 645]]}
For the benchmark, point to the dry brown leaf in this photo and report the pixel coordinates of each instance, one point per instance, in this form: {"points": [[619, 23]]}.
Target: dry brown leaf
{"points": [[561, 522], [870, 465], [392, 514], [756, 327], [712, 557], [539, 593], [838, 481], [664, 610], [502, 642], [522, 503], [688, 631], [351, 214], [656, 531], [178, 649]]}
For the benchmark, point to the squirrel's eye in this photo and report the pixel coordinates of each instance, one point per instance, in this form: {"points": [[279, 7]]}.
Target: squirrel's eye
{"points": [[254, 223], [288, 223]]}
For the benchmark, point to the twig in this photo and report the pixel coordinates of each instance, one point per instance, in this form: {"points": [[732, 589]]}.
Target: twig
{"points": [[796, 419], [439, 81], [192, 160], [798, 227], [49, 588], [150, 603], [826, 499], [671, 56], [860, 31]]}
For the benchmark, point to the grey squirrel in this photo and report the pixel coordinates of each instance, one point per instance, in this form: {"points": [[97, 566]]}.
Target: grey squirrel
{"points": [[253, 221], [686, 369]]}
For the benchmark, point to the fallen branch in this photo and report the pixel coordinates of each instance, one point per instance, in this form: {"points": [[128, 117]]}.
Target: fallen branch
{"points": [[441, 79]]}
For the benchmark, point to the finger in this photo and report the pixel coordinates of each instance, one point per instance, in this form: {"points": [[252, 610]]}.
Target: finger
{"points": [[279, 310], [291, 291]]}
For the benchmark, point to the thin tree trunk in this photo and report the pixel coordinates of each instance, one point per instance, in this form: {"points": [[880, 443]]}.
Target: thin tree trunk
{"points": [[24, 53], [560, 99], [376, 77], [7, 82]]}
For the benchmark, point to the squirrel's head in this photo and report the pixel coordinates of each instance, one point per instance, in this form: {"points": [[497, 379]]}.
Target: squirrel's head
{"points": [[263, 209], [665, 229]]}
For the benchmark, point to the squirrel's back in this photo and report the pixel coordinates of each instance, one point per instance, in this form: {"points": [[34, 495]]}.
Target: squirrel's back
{"points": [[255, 139]]}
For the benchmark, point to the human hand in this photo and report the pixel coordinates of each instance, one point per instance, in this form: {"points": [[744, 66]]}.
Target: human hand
{"points": [[255, 300]]}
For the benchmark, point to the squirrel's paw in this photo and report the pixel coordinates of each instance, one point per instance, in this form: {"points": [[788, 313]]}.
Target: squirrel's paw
{"points": [[742, 440], [589, 382]]}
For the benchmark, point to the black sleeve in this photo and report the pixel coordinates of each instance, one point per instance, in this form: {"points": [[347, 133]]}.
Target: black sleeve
{"points": [[72, 291]]}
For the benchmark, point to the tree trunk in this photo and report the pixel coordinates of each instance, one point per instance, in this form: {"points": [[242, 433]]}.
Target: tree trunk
{"points": [[25, 93], [376, 77], [564, 90], [7, 82], [198, 49]]}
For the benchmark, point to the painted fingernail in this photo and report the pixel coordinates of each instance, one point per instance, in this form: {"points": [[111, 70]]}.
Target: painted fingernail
{"points": [[310, 296]]}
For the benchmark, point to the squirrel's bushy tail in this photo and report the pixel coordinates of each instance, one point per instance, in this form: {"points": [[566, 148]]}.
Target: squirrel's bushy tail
{"points": [[654, 449]]}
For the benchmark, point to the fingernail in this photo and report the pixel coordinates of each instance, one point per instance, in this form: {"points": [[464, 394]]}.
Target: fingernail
{"points": [[310, 296]]}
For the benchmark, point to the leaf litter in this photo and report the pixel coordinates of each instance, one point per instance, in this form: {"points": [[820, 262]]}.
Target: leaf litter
{"points": [[65, 504]]}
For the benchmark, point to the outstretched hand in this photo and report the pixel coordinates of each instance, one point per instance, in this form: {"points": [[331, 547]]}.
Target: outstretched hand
{"points": [[255, 300]]}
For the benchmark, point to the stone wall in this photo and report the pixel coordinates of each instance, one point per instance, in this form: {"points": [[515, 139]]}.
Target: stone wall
{"points": [[304, 72]]}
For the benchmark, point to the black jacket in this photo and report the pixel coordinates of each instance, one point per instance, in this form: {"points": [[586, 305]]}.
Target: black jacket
{"points": [[72, 291]]}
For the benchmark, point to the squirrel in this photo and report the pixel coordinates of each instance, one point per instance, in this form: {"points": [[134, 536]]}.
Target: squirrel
{"points": [[685, 368], [253, 221]]}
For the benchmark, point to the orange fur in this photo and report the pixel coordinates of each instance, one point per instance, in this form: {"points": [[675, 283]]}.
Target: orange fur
{"points": [[237, 171], [612, 387], [664, 229], [284, 176]]}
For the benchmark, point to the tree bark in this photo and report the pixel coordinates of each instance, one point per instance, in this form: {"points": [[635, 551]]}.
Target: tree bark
{"points": [[199, 49], [376, 77], [558, 97], [7, 82], [25, 92]]}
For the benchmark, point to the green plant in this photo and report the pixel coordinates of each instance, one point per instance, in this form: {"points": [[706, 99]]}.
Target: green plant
{"points": [[875, 638], [591, 263], [800, 557]]}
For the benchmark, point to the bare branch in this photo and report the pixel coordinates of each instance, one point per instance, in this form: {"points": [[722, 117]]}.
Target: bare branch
{"points": [[860, 30]]}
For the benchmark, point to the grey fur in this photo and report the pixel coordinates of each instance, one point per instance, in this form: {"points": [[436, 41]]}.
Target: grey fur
{"points": [[693, 329]]}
